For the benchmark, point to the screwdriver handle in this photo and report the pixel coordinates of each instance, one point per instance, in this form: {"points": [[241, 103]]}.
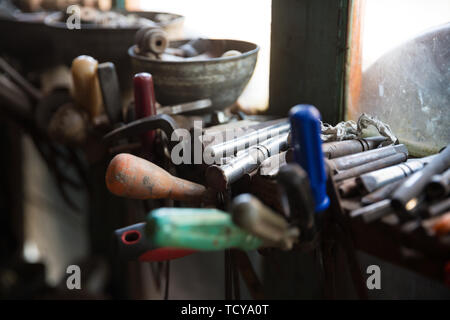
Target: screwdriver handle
{"points": [[306, 130], [198, 229], [133, 177], [132, 244], [145, 104], [87, 93]]}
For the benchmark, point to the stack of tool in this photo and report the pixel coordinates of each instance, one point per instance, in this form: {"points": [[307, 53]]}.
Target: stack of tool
{"points": [[398, 207]]}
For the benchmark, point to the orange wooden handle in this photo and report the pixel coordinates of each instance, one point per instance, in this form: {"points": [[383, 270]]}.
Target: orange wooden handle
{"points": [[132, 177]]}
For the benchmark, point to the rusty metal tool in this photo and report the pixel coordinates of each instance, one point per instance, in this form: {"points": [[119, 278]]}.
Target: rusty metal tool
{"points": [[406, 197], [133, 177], [371, 166], [162, 121], [145, 106], [306, 140], [332, 150], [254, 217], [132, 244], [221, 177], [231, 147], [376, 179], [439, 185], [185, 107], [355, 160], [109, 85], [297, 194]]}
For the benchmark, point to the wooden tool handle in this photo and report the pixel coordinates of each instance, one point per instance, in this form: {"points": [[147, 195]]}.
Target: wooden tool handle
{"points": [[87, 91], [132, 177]]}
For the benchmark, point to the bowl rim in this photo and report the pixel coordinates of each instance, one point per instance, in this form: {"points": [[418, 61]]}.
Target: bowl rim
{"points": [[52, 22], [133, 55]]}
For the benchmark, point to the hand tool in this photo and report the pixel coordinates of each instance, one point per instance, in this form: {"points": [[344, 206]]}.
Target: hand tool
{"points": [[87, 91], [374, 211], [439, 185], [133, 244], [145, 105], [254, 217], [198, 229], [338, 149], [221, 177], [164, 122], [109, 85], [296, 192], [406, 197], [136, 178], [231, 147], [371, 166], [185, 107], [376, 179], [306, 128], [442, 225], [355, 160]]}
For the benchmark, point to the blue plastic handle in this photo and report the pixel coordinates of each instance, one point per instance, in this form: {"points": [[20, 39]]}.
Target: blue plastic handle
{"points": [[305, 127]]}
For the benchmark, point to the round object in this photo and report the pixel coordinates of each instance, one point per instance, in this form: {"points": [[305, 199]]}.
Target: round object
{"points": [[220, 79]]}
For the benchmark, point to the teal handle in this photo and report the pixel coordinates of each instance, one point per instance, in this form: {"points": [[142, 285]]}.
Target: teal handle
{"points": [[198, 229]]}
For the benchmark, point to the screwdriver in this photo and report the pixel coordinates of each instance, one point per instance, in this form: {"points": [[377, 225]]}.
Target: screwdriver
{"points": [[187, 229], [145, 106], [132, 244], [253, 216], [133, 177], [307, 143], [87, 93]]}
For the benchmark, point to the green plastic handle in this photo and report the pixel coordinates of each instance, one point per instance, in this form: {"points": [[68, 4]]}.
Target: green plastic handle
{"points": [[198, 229]]}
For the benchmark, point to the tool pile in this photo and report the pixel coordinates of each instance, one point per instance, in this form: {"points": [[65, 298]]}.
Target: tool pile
{"points": [[272, 185]]}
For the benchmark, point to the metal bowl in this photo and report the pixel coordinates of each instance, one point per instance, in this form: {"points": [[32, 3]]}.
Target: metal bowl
{"points": [[220, 79], [104, 43]]}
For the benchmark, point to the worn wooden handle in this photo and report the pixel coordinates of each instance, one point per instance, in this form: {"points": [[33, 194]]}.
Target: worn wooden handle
{"points": [[132, 177]]}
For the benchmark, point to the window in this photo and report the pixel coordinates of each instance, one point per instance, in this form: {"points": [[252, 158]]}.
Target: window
{"points": [[400, 69]]}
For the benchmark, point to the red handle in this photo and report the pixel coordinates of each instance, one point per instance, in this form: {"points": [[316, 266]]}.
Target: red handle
{"points": [[145, 104]]}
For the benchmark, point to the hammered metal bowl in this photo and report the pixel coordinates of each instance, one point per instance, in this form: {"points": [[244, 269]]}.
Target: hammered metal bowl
{"points": [[220, 79]]}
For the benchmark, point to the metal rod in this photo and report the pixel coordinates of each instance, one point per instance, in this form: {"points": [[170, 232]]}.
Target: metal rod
{"points": [[381, 194], [374, 211], [405, 198], [439, 185], [374, 180], [371, 166], [338, 149], [355, 160], [231, 147], [220, 177], [439, 208]]}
